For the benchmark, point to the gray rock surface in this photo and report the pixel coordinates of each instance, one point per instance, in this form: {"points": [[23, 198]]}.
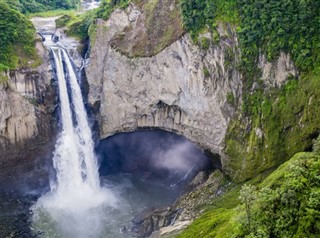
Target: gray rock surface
{"points": [[170, 220], [190, 90], [170, 90], [276, 73], [26, 125]]}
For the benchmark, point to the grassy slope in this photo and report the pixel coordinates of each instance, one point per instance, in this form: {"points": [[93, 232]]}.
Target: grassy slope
{"points": [[292, 192]]}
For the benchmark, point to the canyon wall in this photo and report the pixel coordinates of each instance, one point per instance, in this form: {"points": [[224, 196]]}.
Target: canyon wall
{"points": [[26, 124], [170, 82]]}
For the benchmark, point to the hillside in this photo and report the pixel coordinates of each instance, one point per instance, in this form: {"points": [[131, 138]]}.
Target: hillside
{"points": [[17, 39], [27, 6]]}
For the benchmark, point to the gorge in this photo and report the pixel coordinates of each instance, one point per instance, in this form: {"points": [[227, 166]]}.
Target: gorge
{"points": [[229, 76]]}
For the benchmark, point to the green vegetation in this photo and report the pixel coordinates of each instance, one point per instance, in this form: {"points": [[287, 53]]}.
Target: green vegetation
{"points": [[198, 14], [51, 13], [206, 72], [78, 25], [107, 7], [284, 204], [287, 119], [3, 77], [16, 39], [273, 26], [291, 197], [274, 124], [231, 99], [264, 26], [32, 6], [17, 34]]}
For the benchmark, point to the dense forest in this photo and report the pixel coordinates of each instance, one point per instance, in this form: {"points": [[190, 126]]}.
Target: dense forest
{"points": [[32, 6], [16, 38], [265, 26]]}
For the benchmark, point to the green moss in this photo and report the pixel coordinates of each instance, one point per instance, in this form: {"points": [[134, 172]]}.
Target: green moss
{"points": [[231, 99], [162, 26], [278, 175], [206, 72], [288, 121], [3, 78], [204, 43], [92, 32]]}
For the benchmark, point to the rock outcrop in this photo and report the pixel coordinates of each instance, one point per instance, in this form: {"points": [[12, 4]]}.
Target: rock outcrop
{"points": [[26, 127], [169, 220], [182, 89], [193, 90]]}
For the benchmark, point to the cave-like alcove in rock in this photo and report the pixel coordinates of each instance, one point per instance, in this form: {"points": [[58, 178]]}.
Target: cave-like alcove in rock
{"points": [[148, 169]]}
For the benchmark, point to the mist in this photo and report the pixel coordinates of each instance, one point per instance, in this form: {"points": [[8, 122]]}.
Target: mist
{"points": [[157, 156]]}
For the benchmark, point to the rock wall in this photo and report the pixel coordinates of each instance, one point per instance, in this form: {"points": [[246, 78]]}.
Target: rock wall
{"points": [[26, 126], [192, 90], [181, 89]]}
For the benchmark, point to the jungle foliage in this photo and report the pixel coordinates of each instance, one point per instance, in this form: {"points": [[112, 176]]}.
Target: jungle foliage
{"points": [[199, 15], [32, 6], [264, 26], [16, 39]]}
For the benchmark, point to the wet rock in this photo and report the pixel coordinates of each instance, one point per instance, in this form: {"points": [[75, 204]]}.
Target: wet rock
{"points": [[15, 218], [144, 224], [172, 219]]}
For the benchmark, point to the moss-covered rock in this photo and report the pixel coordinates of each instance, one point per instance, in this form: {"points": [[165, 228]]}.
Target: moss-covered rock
{"points": [[282, 122]]}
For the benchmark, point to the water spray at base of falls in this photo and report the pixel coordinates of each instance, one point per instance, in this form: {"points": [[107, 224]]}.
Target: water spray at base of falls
{"points": [[74, 204]]}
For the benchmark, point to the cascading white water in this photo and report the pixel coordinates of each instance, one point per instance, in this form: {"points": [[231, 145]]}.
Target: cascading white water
{"points": [[75, 200]]}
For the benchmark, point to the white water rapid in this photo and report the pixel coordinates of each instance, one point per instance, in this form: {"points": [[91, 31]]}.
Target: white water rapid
{"points": [[74, 204]]}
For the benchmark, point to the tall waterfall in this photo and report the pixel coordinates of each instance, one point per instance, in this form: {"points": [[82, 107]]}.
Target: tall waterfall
{"points": [[74, 158], [76, 198]]}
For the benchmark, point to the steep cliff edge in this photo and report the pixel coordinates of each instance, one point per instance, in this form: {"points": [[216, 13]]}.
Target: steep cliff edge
{"points": [[193, 90], [26, 126], [181, 89]]}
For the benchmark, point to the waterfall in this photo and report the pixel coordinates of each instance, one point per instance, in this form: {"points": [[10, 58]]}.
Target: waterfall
{"points": [[76, 198], [74, 158]]}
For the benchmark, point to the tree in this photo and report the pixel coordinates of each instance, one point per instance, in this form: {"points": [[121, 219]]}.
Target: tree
{"points": [[248, 195]]}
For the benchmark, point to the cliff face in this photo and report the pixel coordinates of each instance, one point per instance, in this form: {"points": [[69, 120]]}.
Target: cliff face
{"points": [[26, 128], [192, 90], [181, 89]]}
